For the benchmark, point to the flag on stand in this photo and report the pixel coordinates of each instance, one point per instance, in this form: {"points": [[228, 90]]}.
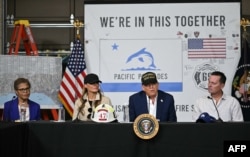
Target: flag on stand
{"points": [[207, 48], [73, 78], [241, 81]]}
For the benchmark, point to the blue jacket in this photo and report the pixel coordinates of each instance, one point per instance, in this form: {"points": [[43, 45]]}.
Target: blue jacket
{"points": [[165, 111], [11, 112]]}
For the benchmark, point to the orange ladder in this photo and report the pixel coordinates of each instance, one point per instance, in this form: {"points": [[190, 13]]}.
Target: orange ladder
{"points": [[22, 31]]}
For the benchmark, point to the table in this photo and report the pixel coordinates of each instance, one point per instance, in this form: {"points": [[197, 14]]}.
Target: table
{"points": [[68, 139]]}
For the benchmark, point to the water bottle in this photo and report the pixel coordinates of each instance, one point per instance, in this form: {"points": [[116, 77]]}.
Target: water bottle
{"points": [[23, 114], [125, 113], [61, 114]]}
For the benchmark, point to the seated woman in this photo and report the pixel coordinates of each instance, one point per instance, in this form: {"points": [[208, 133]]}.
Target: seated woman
{"points": [[91, 98], [21, 108]]}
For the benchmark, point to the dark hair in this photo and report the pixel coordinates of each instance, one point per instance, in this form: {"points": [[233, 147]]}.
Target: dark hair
{"points": [[18, 81], [222, 76]]}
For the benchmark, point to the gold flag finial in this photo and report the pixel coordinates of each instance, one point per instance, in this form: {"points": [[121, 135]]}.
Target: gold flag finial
{"points": [[78, 24], [244, 23]]}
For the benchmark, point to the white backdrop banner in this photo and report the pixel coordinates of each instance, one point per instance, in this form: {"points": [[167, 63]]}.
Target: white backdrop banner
{"points": [[181, 42]]}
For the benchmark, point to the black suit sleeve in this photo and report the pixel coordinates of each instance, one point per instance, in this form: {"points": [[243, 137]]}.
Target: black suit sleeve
{"points": [[131, 104]]}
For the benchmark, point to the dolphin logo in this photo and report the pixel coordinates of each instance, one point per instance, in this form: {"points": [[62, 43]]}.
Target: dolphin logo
{"points": [[141, 60]]}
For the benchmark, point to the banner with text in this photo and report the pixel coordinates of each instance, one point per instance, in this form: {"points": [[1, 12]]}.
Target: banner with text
{"points": [[181, 42]]}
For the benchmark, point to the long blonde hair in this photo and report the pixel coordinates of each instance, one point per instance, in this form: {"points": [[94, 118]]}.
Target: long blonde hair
{"points": [[83, 101]]}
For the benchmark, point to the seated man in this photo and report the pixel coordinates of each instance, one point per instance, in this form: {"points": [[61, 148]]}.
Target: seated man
{"points": [[219, 105], [152, 100]]}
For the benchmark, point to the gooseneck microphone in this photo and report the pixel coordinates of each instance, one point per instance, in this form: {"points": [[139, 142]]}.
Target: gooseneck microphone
{"points": [[12, 101], [148, 104], [7, 117], [219, 119], [77, 116]]}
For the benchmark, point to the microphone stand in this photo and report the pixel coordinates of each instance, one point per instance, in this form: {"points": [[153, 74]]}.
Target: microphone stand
{"points": [[77, 117], [219, 119], [8, 119]]}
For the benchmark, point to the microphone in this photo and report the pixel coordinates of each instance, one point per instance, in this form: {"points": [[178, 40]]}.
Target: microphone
{"points": [[77, 116], [7, 118], [12, 101], [148, 104], [13, 97], [219, 119]]}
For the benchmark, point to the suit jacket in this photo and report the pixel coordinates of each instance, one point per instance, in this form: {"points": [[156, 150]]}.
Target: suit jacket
{"points": [[165, 111], [11, 112]]}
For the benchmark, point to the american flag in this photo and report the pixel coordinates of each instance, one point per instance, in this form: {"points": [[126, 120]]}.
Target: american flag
{"points": [[73, 78], [207, 48]]}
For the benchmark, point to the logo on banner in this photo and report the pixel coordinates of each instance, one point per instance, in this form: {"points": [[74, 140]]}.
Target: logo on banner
{"points": [[135, 57], [141, 60], [201, 75], [146, 126], [196, 34]]}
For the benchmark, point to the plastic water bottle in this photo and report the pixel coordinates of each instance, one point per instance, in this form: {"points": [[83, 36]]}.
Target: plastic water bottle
{"points": [[61, 113], [23, 114], [125, 113]]}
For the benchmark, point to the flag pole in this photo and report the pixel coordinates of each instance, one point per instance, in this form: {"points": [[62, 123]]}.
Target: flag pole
{"points": [[77, 25], [73, 77]]}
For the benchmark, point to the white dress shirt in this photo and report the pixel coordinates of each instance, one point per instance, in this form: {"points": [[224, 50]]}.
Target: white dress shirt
{"points": [[228, 108]]}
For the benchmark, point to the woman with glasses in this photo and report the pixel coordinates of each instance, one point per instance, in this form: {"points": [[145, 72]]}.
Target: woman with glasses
{"points": [[21, 108], [91, 98]]}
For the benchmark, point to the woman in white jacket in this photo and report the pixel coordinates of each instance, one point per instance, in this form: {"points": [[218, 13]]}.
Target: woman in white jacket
{"points": [[90, 99]]}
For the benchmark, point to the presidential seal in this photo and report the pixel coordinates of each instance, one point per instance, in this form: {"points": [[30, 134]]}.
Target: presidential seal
{"points": [[146, 126]]}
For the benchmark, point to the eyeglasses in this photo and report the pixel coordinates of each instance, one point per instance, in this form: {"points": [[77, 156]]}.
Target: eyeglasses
{"points": [[24, 89]]}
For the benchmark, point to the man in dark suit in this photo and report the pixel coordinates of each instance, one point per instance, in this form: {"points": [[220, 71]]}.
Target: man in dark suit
{"points": [[152, 100]]}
